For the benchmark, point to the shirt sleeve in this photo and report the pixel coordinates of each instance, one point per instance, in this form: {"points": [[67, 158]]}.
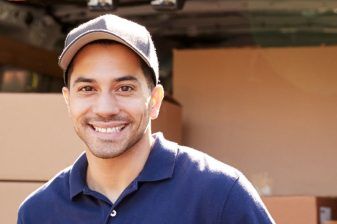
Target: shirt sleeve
{"points": [[244, 205], [19, 220]]}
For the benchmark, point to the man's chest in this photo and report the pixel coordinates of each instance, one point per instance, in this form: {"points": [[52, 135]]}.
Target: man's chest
{"points": [[144, 206], [167, 213]]}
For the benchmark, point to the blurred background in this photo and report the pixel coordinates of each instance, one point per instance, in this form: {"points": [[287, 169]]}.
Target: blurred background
{"points": [[252, 83]]}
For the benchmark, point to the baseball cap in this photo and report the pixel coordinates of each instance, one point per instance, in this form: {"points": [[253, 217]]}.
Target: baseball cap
{"points": [[111, 27]]}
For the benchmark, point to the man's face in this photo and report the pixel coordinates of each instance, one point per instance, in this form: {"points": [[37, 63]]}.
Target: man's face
{"points": [[109, 100]]}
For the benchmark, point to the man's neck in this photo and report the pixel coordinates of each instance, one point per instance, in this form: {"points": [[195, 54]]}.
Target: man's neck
{"points": [[111, 176]]}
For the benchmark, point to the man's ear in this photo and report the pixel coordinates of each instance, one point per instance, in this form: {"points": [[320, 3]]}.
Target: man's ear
{"points": [[157, 97], [65, 92]]}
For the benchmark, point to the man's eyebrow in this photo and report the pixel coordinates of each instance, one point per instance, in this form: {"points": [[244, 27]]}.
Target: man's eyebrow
{"points": [[120, 79], [82, 79], [126, 78]]}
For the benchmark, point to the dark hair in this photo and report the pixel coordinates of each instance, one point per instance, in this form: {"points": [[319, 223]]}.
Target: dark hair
{"points": [[148, 72]]}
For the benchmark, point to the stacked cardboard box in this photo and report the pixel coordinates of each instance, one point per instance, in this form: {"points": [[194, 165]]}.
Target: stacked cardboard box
{"points": [[301, 209], [37, 141]]}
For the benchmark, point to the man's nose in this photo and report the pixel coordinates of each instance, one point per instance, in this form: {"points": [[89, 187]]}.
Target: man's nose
{"points": [[106, 105]]}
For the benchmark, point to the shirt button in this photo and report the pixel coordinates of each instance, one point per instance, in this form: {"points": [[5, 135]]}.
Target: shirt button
{"points": [[113, 213]]}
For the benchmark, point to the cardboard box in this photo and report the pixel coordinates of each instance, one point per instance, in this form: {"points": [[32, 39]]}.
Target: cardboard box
{"points": [[12, 194], [331, 222], [301, 209], [264, 110], [38, 140], [169, 121]]}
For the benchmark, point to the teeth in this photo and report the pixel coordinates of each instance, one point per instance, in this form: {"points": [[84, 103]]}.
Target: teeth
{"points": [[109, 130]]}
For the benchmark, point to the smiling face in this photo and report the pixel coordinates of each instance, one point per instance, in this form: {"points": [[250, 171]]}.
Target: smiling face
{"points": [[109, 99]]}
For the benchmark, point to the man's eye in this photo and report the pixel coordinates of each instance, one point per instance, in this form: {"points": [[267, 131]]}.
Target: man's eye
{"points": [[125, 88], [86, 89]]}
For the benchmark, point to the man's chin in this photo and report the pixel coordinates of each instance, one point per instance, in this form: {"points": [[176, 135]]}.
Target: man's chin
{"points": [[106, 149], [107, 154]]}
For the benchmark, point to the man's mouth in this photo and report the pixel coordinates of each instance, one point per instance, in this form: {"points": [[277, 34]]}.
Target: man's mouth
{"points": [[115, 129], [111, 127]]}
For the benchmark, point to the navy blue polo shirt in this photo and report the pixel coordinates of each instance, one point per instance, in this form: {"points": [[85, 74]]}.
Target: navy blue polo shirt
{"points": [[177, 185]]}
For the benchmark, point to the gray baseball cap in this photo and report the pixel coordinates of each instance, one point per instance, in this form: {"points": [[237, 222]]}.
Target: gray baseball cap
{"points": [[111, 27]]}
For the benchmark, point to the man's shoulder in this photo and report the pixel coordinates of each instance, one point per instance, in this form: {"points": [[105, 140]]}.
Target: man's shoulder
{"points": [[226, 187], [200, 165], [58, 186]]}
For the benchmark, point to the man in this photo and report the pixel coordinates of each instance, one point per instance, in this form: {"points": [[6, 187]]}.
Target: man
{"points": [[128, 175]]}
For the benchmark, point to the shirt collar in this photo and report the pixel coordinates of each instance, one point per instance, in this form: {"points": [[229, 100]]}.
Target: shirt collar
{"points": [[77, 177], [159, 165], [161, 161]]}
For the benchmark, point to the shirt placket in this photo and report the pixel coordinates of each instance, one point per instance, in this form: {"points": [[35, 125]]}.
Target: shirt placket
{"points": [[113, 216]]}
